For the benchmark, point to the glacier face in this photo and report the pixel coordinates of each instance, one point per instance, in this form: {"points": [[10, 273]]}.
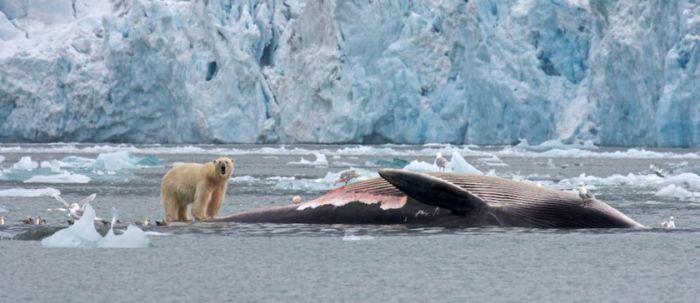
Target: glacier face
{"points": [[484, 72]]}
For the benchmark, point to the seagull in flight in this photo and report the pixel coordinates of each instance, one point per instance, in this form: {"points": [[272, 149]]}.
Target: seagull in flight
{"points": [[75, 210]]}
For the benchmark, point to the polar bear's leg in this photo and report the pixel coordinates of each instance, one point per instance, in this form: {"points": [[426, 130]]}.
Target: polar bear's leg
{"points": [[217, 198], [201, 201], [170, 206], [182, 213]]}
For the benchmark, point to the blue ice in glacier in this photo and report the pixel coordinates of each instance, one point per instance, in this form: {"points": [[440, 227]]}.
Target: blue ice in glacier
{"points": [[483, 72]]}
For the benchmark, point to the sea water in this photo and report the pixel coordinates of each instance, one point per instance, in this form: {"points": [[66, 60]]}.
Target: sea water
{"points": [[298, 262]]}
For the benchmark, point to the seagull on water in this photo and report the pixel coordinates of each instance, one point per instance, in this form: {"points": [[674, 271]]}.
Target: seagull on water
{"points": [[347, 176], [440, 161], [585, 195], [145, 222], [668, 224], [28, 220]]}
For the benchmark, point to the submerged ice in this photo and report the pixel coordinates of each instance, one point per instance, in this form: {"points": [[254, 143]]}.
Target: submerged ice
{"points": [[483, 72]]}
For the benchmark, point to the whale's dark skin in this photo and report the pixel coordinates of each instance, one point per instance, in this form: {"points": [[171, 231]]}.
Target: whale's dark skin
{"points": [[444, 199]]}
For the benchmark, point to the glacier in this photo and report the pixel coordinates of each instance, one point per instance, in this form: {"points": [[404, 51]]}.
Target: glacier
{"points": [[619, 73]]}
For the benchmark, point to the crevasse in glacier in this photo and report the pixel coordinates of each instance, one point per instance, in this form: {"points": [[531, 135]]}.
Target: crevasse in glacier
{"points": [[482, 72]]}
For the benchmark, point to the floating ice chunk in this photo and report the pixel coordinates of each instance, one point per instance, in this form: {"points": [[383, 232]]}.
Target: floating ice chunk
{"points": [[325, 183], [54, 166], [133, 237], [64, 177], [422, 167], [321, 160], [357, 238], [25, 163], [243, 179], [81, 234], [675, 191], [116, 161], [686, 180], [459, 165], [30, 192]]}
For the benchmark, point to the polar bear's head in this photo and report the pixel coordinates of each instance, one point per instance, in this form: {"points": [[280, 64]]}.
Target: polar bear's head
{"points": [[223, 167]]}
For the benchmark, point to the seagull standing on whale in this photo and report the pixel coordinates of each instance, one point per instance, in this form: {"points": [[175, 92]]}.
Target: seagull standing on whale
{"points": [[585, 195], [347, 176]]}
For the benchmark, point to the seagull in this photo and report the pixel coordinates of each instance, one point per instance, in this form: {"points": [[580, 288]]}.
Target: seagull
{"points": [[585, 195], [296, 199], [28, 220], [39, 221], [347, 176], [440, 161], [75, 210], [146, 221], [657, 170], [668, 224]]}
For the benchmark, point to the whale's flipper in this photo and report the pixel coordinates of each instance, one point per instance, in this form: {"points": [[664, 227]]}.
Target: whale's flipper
{"points": [[434, 191]]}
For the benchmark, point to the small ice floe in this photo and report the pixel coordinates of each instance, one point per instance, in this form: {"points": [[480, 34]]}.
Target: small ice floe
{"points": [[29, 192], [675, 191], [351, 237], [321, 160], [585, 195], [669, 223], [456, 164], [133, 237], [25, 163], [84, 234], [63, 177]]}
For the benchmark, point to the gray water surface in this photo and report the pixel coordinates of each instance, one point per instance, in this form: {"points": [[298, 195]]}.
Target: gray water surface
{"points": [[329, 263]]}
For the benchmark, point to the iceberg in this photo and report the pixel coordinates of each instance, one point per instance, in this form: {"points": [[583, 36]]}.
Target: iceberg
{"points": [[30, 192], [83, 234], [260, 71]]}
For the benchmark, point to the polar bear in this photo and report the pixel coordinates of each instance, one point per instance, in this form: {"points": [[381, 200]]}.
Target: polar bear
{"points": [[203, 185]]}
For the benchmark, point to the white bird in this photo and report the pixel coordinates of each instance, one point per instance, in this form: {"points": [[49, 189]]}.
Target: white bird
{"points": [[440, 161], [669, 224], [657, 170], [2, 220], [75, 210], [347, 176], [585, 195], [296, 199], [39, 221], [145, 222]]}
